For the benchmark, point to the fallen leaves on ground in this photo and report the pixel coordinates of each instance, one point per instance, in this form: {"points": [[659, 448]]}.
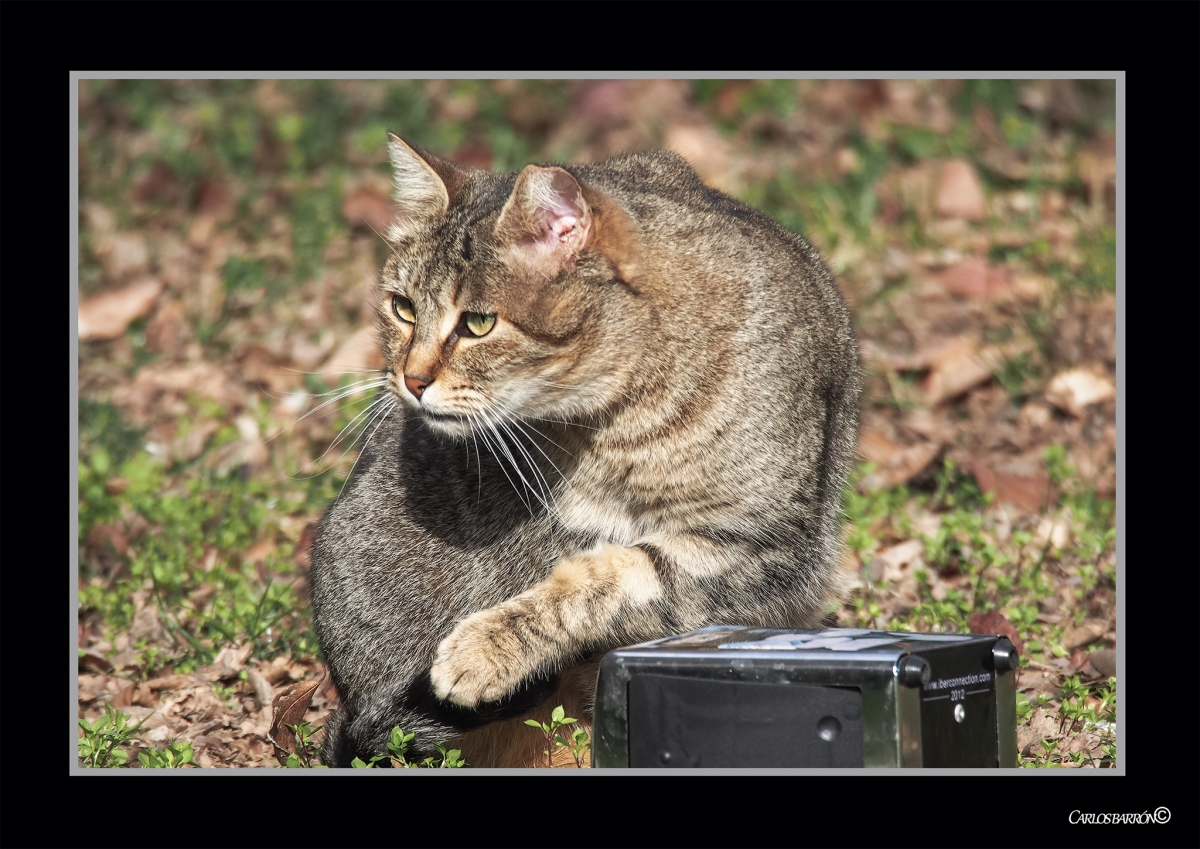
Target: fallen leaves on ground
{"points": [[109, 314]]}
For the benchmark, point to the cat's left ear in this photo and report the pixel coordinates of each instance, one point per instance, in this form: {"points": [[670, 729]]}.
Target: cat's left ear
{"points": [[425, 186], [546, 213]]}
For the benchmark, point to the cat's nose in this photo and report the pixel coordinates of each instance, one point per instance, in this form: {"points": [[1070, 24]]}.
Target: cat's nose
{"points": [[416, 385]]}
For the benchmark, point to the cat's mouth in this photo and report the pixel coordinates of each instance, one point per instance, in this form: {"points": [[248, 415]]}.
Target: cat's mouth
{"points": [[451, 424]]}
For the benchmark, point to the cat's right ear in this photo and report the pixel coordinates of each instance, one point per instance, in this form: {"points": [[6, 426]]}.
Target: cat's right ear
{"points": [[425, 186]]}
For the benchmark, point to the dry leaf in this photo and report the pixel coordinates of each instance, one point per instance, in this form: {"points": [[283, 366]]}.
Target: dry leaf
{"points": [[1052, 531], [202, 378], [894, 464], [359, 353], [994, 622], [260, 551], [1105, 662], [955, 371], [367, 205], [1076, 389], [1041, 726], [107, 315], [289, 709], [214, 199], [303, 557], [1088, 632], [959, 192], [124, 255], [1021, 482], [263, 691], [889, 564], [976, 279], [171, 682]]}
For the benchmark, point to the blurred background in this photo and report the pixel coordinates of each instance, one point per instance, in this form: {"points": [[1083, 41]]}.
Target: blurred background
{"points": [[228, 253]]}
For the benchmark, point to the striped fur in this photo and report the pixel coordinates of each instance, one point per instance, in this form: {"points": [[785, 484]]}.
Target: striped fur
{"points": [[653, 437]]}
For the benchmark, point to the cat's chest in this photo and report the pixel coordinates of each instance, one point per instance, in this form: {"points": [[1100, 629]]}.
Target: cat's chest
{"points": [[602, 519], [627, 500]]}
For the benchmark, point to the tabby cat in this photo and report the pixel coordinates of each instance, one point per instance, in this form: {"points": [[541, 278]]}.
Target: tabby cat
{"points": [[619, 405]]}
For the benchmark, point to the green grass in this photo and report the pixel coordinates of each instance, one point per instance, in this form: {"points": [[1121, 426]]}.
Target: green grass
{"points": [[287, 166]]}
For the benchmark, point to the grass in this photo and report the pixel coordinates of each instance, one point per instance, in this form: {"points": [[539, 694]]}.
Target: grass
{"points": [[286, 153]]}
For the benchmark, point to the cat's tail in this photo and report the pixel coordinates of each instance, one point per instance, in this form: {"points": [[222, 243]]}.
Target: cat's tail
{"points": [[363, 730]]}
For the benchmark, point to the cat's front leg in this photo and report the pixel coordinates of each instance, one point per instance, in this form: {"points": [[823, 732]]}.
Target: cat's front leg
{"points": [[588, 600]]}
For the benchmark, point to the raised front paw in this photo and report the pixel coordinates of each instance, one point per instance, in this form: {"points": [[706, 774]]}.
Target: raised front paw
{"points": [[481, 661]]}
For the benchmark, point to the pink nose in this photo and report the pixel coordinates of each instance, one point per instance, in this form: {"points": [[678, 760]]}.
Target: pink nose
{"points": [[416, 385]]}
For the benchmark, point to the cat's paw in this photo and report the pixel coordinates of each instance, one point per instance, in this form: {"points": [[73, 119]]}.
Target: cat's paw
{"points": [[481, 661]]}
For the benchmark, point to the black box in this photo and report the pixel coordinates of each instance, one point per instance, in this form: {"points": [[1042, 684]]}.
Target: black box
{"points": [[729, 696]]}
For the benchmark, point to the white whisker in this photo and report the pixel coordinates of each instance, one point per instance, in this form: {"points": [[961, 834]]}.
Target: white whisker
{"points": [[390, 408]]}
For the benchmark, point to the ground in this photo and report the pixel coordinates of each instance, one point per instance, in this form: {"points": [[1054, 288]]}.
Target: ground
{"points": [[228, 249]]}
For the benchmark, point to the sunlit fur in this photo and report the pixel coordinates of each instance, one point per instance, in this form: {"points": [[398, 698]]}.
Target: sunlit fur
{"points": [[653, 437]]}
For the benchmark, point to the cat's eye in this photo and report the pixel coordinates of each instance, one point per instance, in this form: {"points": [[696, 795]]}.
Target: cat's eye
{"points": [[478, 324], [403, 309]]}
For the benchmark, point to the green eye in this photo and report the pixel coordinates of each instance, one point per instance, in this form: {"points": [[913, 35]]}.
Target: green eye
{"points": [[478, 324], [403, 309]]}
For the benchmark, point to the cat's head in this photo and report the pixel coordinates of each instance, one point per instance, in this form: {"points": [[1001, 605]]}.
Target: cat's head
{"points": [[506, 295]]}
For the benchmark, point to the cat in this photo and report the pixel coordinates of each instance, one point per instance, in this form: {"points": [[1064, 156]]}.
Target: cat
{"points": [[619, 405]]}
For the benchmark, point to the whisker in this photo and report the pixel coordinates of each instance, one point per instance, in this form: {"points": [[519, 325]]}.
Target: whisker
{"points": [[539, 493], [515, 417], [478, 460], [342, 434], [343, 431], [390, 408], [323, 373], [491, 448], [538, 477], [344, 394], [533, 441]]}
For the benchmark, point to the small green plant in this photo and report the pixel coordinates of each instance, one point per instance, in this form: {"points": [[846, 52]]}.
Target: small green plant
{"points": [[100, 745], [306, 749], [173, 756], [397, 753], [578, 744]]}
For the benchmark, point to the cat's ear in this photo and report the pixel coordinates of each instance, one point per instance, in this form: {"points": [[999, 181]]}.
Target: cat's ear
{"points": [[425, 185], [546, 214]]}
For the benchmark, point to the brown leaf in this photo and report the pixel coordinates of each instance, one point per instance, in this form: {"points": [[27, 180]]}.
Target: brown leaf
{"points": [[228, 663], [168, 331], [263, 691], [160, 185], [1105, 662], [202, 378], [93, 660], [976, 279], [107, 315], [1098, 168], [213, 198], [107, 536], [124, 255], [369, 206], [1041, 726], [171, 682], [289, 709], [955, 370], [1019, 482], [1088, 632], [358, 353], [994, 622], [124, 696], [1076, 389], [705, 149], [260, 551], [894, 464], [959, 192], [303, 557]]}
